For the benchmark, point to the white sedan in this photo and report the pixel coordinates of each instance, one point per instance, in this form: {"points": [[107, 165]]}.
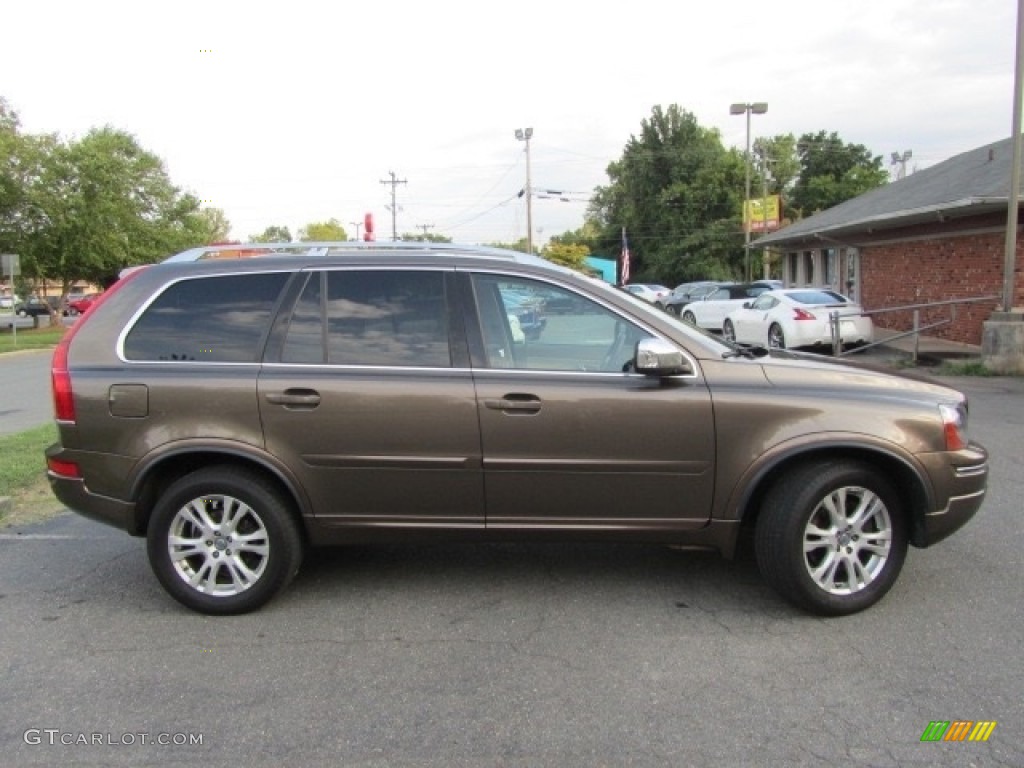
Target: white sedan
{"points": [[709, 312], [797, 317], [655, 294]]}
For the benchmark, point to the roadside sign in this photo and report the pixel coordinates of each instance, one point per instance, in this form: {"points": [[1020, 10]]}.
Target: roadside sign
{"points": [[9, 264]]}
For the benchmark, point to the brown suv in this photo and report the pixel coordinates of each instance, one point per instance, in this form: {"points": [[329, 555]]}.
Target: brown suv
{"points": [[235, 411]]}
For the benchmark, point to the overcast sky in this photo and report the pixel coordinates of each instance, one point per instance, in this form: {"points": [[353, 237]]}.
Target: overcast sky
{"points": [[291, 112]]}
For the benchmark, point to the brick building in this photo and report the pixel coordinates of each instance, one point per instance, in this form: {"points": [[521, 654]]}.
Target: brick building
{"points": [[935, 235]]}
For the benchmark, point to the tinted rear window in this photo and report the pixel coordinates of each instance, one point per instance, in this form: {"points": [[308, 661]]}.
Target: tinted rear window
{"points": [[211, 319]]}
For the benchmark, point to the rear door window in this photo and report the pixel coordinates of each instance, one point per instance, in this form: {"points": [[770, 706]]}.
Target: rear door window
{"points": [[372, 318]]}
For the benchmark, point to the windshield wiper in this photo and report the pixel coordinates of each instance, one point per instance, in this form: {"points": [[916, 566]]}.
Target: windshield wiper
{"points": [[751, 353]]}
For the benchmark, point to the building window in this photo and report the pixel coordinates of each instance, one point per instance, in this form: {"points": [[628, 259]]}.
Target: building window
{"points": [[808, 268], [829, 266], [792, 262]]}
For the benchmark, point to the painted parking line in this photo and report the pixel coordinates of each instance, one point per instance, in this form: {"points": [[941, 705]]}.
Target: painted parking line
{"points": [[45, 537]]}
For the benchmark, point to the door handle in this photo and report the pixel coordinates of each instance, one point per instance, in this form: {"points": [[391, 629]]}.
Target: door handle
{"points": [[514, 403], [298, 399]]}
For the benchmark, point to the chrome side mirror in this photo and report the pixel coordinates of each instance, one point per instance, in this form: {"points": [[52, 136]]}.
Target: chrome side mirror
{"points": [[657, 357]]}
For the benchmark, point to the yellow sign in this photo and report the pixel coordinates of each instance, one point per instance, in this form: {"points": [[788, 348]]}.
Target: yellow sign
{"points": [[762, 214]]}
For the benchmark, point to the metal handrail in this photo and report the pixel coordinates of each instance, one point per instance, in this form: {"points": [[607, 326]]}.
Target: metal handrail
{"points": [[925, 305], [835, 315]]}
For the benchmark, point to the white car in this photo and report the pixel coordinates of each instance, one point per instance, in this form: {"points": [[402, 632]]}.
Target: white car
{"points": [[798, 317], [655, 294], [709, 312]]}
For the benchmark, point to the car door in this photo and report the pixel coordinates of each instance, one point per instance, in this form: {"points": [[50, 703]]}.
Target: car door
{"points": [[366, 396], [751, 324], [570, 437], [707, 309]]}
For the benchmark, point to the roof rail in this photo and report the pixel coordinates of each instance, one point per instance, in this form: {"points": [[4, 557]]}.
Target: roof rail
{"points": [[328, 247]]}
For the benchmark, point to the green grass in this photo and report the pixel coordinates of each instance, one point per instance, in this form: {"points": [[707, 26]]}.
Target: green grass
{"points": [[965, 368], [21, 458], [31, 338], [23, 477]]}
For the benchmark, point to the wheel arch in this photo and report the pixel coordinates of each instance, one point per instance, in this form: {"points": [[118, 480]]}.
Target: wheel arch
{"points": [[908, 480], [155, 476]]}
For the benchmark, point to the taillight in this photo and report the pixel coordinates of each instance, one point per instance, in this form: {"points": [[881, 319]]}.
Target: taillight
{"points": [[802, 314], [60, 379], [63, 468], [60, 376], [954, 426]]}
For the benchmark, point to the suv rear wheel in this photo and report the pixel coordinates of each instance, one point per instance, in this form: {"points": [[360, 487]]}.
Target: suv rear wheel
{"points": [[832, 537], [222, 540]]}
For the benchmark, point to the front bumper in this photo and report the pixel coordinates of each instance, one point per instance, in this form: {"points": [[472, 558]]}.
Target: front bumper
{"points": [[961, 485]]}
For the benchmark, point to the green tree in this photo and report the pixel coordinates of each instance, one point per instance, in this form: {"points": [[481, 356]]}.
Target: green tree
{"points": [[520, 245], [323, 231], [775, 169], [272, 234], [677, 192], [99, 204], [21, 158], [214, 222], [832, 172], [11, 171], [566, 254]]}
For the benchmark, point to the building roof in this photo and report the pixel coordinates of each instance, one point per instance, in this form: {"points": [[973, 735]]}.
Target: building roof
{"points": [[973, 183]]}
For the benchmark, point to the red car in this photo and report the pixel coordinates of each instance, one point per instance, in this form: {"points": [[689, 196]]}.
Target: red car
{"points": [[78, 306]]}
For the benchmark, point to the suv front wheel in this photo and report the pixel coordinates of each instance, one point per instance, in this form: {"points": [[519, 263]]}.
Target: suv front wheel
{"points": [[832, 537], [222, 540]]}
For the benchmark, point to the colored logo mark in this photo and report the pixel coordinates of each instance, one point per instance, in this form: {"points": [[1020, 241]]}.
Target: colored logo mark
{"points": [[958, 730]]}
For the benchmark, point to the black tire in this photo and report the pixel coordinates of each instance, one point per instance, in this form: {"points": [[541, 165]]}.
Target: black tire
{"points": [[776, 337], [728, 331], [196, 509], [842, 563], [688, 317]]}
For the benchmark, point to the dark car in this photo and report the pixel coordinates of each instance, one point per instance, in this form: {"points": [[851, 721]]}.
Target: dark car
{"points": [[236, 412], [36, 307]]}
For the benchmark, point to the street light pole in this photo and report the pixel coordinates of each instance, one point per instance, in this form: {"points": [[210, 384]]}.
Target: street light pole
{"points": [[757, 108], [526, 135]]}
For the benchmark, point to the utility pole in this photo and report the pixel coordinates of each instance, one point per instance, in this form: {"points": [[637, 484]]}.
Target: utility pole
{"points": [[357, 225], [526, 135], [425, 227], [394, 208], [765, 260]]}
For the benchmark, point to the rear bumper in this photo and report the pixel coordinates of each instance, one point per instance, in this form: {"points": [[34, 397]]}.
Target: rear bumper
{"points": [[73, 494]]}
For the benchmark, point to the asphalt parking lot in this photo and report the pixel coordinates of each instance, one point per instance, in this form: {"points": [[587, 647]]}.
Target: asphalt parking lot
{"points": [[518, 654]]}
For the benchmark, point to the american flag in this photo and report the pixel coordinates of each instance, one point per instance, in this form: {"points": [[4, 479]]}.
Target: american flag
{"points": [[624, 269]]}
